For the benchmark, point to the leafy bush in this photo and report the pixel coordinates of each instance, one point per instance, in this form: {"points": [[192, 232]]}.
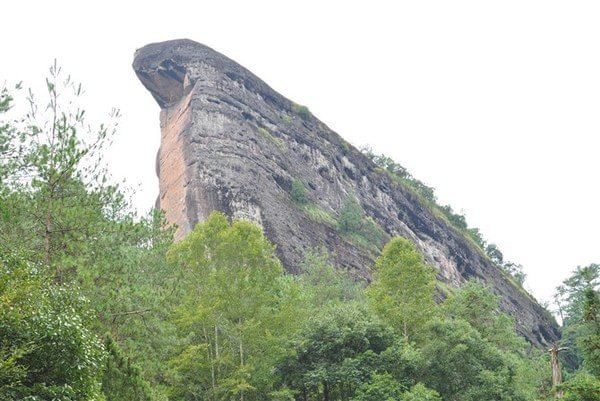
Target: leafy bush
{"points": [[475, 303], [371, 230], [360, 229], [299, 194], [350, 219], [302, 111], [589, 339], [463, 366]]}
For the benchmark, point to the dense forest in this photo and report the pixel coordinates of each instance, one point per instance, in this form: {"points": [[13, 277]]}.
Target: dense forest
{"points": [[98, 303]]}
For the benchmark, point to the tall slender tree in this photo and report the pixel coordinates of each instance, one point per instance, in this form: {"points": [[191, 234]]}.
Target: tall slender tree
{"points": [[237, 308], [402, 291], [59, 184], [589, 341]]}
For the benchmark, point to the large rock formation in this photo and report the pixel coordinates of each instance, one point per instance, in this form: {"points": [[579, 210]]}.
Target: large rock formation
{"points": [[231, 143]]}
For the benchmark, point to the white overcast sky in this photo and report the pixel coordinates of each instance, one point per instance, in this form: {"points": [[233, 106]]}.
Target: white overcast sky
{"points": [[496, 104]]}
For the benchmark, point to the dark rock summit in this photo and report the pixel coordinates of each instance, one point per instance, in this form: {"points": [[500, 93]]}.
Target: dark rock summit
{"points": [[231, 143]]}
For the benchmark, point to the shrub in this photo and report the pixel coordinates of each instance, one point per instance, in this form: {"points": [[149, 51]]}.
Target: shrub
{"points": [[278, 142], [299, 194], [360, 229], [351, 216], [319, 215], [302, 111], [371, 230]]}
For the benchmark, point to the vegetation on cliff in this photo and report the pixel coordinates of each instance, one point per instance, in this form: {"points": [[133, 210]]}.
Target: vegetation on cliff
{"points": [[97, 303], [458, 221]]}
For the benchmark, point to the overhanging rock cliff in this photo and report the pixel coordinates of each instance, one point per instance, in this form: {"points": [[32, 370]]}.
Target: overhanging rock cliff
{"points": [[231, 143]]}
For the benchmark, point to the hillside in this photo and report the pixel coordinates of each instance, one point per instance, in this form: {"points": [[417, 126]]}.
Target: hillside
{"points": [[233, 144]]}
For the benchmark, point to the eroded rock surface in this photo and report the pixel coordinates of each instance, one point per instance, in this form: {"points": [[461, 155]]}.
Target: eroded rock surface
{"points": [[231, 143]]}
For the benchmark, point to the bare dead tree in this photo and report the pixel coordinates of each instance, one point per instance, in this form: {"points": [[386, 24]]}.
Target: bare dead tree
{"points": [[556, 371]]}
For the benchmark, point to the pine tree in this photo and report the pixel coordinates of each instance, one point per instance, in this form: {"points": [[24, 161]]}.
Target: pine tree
{"points": [[121, 379]]}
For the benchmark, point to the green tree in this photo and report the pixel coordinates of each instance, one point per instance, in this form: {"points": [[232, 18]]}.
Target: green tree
{"points": [[10, 147], [570, 294], [570, 300], [121, 379], [58, 209], [59, 178], [589, 339], [404, 361], [51, 171], [463, 366], [51, 354], [494, 254], [322, 284], [516, 271], [383, 387], [360, 229], [334, 352], [402, 291], [475, 303], [581, 387], [386, 163], [236, 310]]}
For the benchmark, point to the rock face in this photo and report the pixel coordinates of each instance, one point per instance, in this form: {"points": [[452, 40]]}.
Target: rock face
{"points": [[231, 143]]}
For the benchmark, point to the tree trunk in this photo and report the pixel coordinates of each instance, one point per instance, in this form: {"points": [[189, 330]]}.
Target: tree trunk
{"points": [[47, 231], [51, 187], [217, 350], [241, 358], [212, 362], [556, 372]]}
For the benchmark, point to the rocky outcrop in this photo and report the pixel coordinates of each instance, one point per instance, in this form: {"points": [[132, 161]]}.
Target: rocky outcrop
{"points": [[231, 143]]}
